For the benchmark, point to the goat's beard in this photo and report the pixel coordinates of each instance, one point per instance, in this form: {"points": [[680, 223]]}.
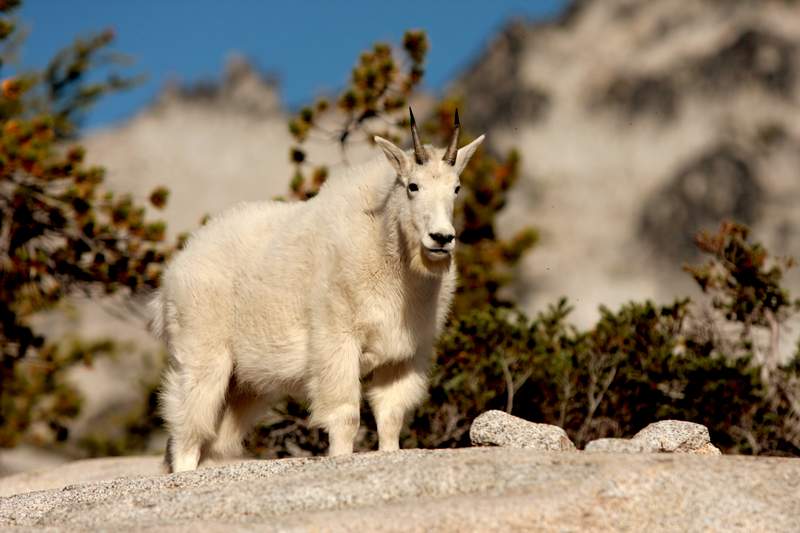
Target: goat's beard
{"points": [[421, 264], [437, 267]]}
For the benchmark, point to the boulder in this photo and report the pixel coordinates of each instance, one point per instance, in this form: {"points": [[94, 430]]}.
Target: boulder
{"points": [[676, 436], [496, 428]]}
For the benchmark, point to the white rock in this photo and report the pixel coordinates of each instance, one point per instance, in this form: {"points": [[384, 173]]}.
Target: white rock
{"points": [[496, 428], [676, 436]]}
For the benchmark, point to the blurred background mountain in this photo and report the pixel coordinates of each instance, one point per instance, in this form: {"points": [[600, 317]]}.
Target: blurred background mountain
{"points": [[638, 122], [641, 122]]}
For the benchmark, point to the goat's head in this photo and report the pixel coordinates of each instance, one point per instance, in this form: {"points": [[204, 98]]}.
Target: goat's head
{"points": [[429, 177]]}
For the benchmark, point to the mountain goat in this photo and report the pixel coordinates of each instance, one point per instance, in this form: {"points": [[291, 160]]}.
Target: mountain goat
{"points": [[306, 299]]}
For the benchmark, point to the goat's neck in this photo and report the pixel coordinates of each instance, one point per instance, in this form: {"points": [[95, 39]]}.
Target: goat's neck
{"points": [[394, 238]]}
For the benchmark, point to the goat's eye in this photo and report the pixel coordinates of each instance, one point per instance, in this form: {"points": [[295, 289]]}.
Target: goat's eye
{"points": [[458, 188], [413, 187]]}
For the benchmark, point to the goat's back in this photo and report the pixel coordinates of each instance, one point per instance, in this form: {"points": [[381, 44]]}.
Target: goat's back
{"points": [[232, 248]]}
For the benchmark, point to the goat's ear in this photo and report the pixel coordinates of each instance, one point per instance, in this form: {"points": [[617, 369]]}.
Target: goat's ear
{"points": [[396, 157], [465, 153]]}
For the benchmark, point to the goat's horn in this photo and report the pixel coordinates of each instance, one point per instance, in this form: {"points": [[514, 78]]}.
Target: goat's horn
{"points": [[419, 152], [452, 149]]}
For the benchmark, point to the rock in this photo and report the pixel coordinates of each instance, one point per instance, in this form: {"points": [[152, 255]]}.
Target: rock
{"points": [[617, 446], [473, 489], [707, 449], [496, 428], [676, 436], [687, 200], [26, 457], [665, 436], [81, 471]]}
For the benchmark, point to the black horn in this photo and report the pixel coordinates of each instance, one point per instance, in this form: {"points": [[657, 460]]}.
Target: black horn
{"points": [[452, 149], [419, 152]]}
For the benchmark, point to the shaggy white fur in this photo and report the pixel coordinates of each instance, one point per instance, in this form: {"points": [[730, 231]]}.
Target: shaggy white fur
{"points": [[274, 299]]}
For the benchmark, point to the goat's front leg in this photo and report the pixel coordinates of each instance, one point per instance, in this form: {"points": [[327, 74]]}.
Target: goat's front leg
{"points": [[335, 393], [394, 391]]}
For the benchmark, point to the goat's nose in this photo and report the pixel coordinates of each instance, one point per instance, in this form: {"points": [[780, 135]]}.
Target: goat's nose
{"points": [[442, 239]]}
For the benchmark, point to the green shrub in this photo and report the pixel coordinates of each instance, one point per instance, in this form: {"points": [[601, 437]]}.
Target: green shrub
{"points": [[639, 364]]}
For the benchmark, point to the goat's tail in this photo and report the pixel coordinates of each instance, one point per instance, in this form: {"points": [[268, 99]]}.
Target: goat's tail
{"points": [[158, 327], [157, 323]]}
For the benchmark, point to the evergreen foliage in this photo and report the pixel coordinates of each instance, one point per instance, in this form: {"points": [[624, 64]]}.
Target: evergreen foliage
{"points": [[61, 233]]}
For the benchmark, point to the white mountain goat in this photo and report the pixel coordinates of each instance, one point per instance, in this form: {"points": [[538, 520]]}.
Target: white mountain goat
{"points": [[306, 299]]}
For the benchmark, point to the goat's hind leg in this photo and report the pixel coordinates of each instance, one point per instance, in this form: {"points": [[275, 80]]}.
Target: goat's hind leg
{"points": [[192, 402], [242, 411]]}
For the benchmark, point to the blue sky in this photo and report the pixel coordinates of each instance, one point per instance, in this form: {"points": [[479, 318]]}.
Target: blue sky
{"points": [[310, 45]]}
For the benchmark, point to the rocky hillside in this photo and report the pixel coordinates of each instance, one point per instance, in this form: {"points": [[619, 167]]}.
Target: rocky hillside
{"points": [[212, 144], [665, 478], [639, 123]]}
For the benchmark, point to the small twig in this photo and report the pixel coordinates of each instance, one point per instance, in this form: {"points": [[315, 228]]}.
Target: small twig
{"points": [[509, 384], [594, 397]]}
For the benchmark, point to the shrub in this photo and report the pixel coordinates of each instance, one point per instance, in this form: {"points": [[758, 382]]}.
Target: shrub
{"points": [[642, 363]]}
